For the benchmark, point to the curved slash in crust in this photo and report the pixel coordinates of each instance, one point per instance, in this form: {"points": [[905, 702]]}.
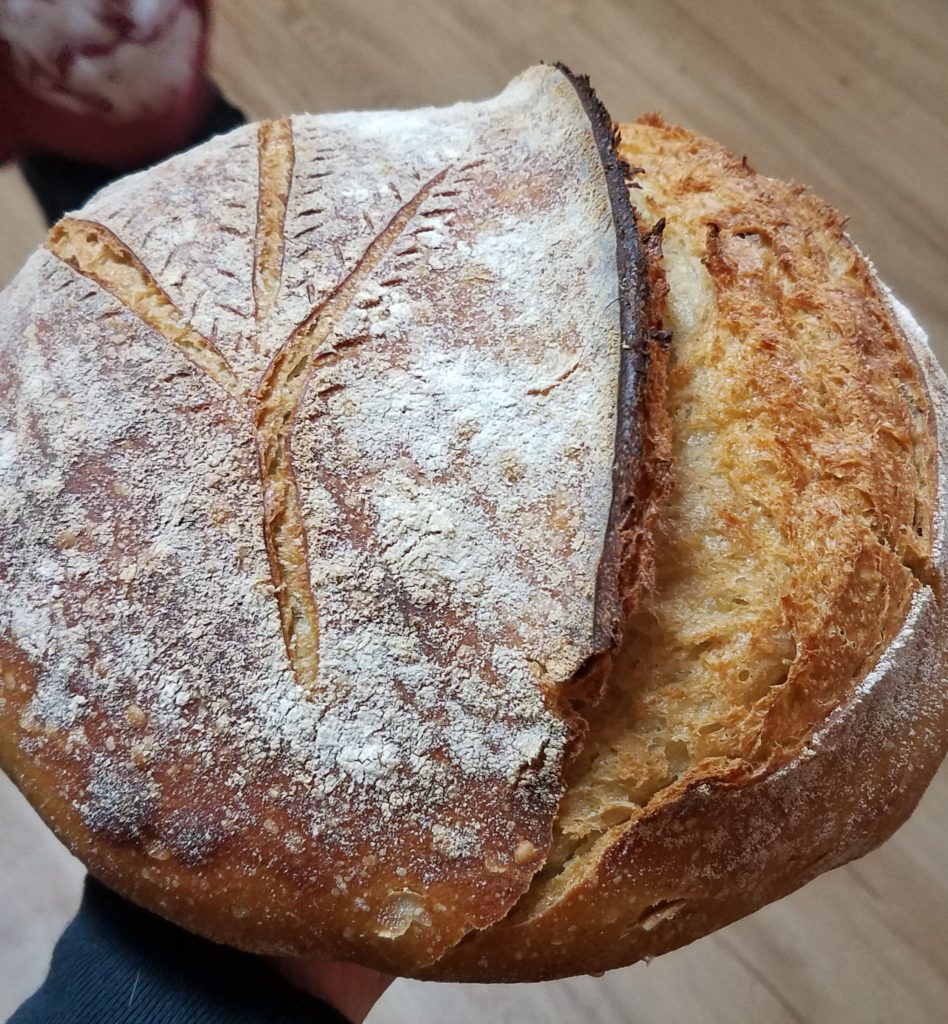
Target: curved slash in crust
{"points": [[95, 253], [276, 157], [279, 395]]}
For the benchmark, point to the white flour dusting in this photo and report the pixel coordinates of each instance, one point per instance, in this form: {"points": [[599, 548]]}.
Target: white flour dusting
{"points": [[454, 467]]}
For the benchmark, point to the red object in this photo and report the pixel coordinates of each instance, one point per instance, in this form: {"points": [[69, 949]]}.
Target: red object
{"points": [[116, 82]]}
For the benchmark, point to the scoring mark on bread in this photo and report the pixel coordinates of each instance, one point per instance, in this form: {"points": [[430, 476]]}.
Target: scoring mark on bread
{"points": [[97, 254], [309, 348], [100, 256], [555, 382], [275, 160]]}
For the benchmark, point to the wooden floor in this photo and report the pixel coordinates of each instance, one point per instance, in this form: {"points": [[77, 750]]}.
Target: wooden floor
{"points": [[847, 96]]}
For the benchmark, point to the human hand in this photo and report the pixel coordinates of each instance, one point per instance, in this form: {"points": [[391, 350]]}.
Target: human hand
{"points": [[349, 988]]}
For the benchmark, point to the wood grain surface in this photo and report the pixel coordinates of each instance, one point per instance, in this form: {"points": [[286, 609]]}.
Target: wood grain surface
{"points": [[849, 97]]}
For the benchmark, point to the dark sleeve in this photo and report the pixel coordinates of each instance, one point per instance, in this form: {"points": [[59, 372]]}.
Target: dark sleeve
{"points": [[118, 964]]}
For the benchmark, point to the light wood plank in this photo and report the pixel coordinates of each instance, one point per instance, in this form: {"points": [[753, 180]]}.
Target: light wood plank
{"points": [[21, 224], [39, 893]]}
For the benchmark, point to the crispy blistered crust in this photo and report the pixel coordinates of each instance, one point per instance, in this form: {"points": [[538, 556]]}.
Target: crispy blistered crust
{"points": [[708, 854], [712, 851], [729, 838]]}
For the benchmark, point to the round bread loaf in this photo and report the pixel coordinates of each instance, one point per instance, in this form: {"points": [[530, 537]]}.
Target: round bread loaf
{"points": [[366, 594]]}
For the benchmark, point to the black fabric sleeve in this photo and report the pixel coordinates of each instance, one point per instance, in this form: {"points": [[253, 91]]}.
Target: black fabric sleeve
{"points": [[118, 964]]}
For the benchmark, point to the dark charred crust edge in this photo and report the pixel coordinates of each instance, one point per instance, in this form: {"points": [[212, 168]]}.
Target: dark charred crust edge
{"points": [[616, 567]]}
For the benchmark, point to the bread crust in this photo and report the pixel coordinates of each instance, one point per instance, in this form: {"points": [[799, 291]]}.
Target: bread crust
{"points": [[731, 836], [724, 839], [307, 512], [717, 848]]}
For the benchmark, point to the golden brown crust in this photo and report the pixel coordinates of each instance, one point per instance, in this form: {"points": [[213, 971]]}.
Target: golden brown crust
{"points": [[816, 407], [719, 848], [807, 518]]}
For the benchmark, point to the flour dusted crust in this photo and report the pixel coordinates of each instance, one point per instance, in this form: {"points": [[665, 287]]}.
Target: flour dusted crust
{"points": [[310, 513]]}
